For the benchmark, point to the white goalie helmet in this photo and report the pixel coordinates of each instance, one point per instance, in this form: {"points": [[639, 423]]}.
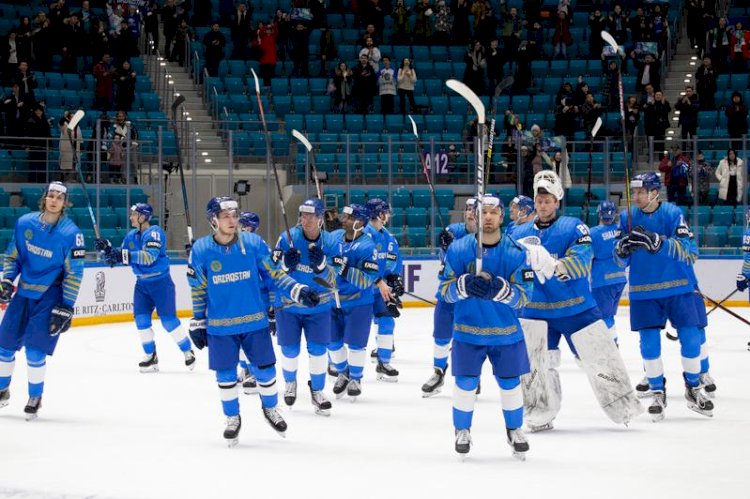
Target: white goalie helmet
{"points": [[550, 182]]}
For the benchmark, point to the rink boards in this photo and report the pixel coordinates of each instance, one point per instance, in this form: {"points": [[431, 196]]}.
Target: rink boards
{"points": [[106, 293]]}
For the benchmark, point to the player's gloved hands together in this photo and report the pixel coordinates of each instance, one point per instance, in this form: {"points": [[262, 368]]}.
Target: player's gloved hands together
{"points": [[272, 320], [396, 284], [305, 295], [472, 286], [317, 258], [115, 256], [6, 290], [624, 247], [59, 319], [644, 238], [198, 333], [446, 238], [340, 265], [291, 259], [103, 245], [742, 282]]}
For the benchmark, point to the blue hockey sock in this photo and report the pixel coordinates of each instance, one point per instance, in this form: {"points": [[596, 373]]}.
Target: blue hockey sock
{"points": [[289, 361], [269, 395], [705, 366], [385, 345], [441, 350], [464, 396], [511, 396], [177, 332], [147, 340], [651, 353], [243, 364], [7, 363], [609, 321], [227, 380], [690, 348]]}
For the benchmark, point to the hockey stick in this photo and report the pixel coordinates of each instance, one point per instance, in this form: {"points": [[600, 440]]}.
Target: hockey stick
{"points": [[594, 131], [722, 301], [725, 309], [72, 124], [478, 106], [179, 100], [322, 282], [269, 156], [612, 43], [716, 305], [505, 83], [424, 169], [420, 298], [299, 136]]}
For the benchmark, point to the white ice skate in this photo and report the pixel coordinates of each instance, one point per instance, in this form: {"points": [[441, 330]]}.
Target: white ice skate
{"points": [[519, 444], [232, 431]]}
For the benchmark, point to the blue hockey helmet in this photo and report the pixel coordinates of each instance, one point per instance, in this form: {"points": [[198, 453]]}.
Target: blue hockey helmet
{"points": [[377, 207], [649, 181], [524, 203], [250, 220], [493, 200], [314, 206], [143, 209], [607, 211], [470, 203], [56, 186], [357, 212], [218, 204]]}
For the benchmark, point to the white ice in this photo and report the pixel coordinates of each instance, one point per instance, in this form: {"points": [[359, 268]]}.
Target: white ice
{"points": [[105, 430]]}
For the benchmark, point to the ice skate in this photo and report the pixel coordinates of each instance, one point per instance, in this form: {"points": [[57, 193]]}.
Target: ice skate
{"points": [[433, 385], [386, 372], [4, 397], [354, 389], [656, 409], [517, 442], [709, 386], [642, 389], [273, 416], [698, 401], [290, 394], [149, 364], [332, 372], [32, 408], [320, 402], [232, 431], [463, 441], [540, 427], [249, 384], [374, 354], [190, 359], [339, 388]]}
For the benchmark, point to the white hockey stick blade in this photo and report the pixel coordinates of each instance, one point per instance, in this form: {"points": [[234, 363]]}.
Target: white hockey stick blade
{"points": [[413, 126], [468, 94], [77, 117], [299, 136], [609, 40], [596, 128], [257, 84]]}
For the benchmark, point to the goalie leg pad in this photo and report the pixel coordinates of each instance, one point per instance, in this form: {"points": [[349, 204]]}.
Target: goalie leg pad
{"points": [[541, 402], [601, 360]]}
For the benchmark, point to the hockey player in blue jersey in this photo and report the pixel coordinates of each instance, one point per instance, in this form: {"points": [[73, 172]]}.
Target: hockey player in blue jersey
{"points": [[45, 254], [521, 211], [389, 286], [250, 222], [560, 253], [225, 273], [607, 276], [442, 330], [307, 259], [144, 249], [485, 323], [357, 270], [660, 250]]}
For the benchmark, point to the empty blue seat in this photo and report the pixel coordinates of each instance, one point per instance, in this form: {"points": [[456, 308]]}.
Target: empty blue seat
{"points": [[282, 105], [415, 217], [355, 123], [321, 104], [301, 104], [334, 123], [416, 236], [401, 199], [298, 86], [279, 86]]}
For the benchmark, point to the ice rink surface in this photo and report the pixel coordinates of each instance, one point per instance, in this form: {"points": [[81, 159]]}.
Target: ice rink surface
{"points": [[107, 431]]}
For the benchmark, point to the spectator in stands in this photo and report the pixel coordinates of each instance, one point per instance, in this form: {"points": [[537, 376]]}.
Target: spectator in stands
{"points": [[512, 27], [124, 80], [705, 78], [73, 39], [342, 81], [123, 136], [561, 39], [559, 164], [649, 96], [42, 42], [423, 22], [125, 45], [332, 221], [688, 106], [597, 23], [401, 25], [565, 91], [674, 171], [475, 64], [26, 81], [266, 41], [660, 29], [632, 117], [696, 32], [719, 44], [16, 109], [495, 62], [37, 132], [736, 114], [406, 79], [299, 40], [729, 173], [582, 90], [282, 24], [740, 48], [387, 87], [240, 30], [486, 29], [364, 86], [618, 25], [372, 53], [523, 79], [182, 39], [656, 120], [214, 43], [535, 39], [371, 32], [98, 41], [565, 118], [24, 36], [590, 110], [151, 25], [704, 177], [70, 148], [104, 75], [461, 33], [226, 8], [9, 56], [649, 72], [527, 171], [611, 87], [328, 50], [443, 24], [170, 19]]}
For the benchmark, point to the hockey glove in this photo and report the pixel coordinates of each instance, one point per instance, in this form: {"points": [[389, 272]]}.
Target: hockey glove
{"points": [[6, 290], [541, 262], [643, 238], [340, 266], [317, 258], [304, 295], [472, 286], [393, 306], [292, 256], [446, 238], [272, 320], [624, 248], [102, 245], [59, 319], [499, 290], [396, 284], [198, 333], [742, 282], [116, 255]]}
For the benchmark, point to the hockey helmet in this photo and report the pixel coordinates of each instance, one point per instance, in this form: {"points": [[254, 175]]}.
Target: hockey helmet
{"points": [[525, 204], [314, 206], [143, 209], [548, 182], [649, 181], [250, 219], [377, 207], [218, 204], [607, 211], [357, 212], [56, 186]]}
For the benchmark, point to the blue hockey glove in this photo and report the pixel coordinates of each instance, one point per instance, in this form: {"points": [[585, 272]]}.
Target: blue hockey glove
{"points": [[317, 258], [624, 248], [446, 238], [641, 237], [305, 295], [6, 290], [198, 333], [103, 245], [59, 319], [500, 290], [473, 286], [292, 257], [742, 282], [272, 320], [396, 284]]}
